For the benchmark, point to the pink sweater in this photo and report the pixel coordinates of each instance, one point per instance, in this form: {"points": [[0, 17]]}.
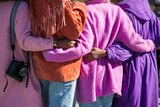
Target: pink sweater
{"points": [[16, 94]]}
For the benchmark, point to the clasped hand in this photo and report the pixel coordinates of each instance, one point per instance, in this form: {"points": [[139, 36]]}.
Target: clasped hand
{"points": [[65, 43]]}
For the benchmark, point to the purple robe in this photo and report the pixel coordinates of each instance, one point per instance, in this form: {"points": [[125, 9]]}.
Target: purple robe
{"points": [[140, 79]]}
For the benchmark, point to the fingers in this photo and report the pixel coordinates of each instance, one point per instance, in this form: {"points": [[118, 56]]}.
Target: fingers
{"points": [[72, 43], [65, 43], [89, 57]]}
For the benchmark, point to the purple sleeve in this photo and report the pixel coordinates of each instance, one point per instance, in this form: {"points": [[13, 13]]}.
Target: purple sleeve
{"points": [[84, 46], [23, 32], [118, 52], [129, 37]]}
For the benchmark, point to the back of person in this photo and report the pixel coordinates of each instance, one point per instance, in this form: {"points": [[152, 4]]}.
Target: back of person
{"points": [[16, 93], [141, 68], [59, 19]]}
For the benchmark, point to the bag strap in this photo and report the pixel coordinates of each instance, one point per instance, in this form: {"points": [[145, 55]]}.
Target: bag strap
{"points": [[12, 25], [12, 32], [12, 35]]}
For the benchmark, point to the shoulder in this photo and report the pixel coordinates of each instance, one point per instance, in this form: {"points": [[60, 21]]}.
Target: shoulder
{"points": [[22, 12], [23, 6], [23, 9]]}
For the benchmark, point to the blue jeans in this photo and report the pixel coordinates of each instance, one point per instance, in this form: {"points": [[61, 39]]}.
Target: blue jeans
{"points": [[104, 101], [59, 94]]}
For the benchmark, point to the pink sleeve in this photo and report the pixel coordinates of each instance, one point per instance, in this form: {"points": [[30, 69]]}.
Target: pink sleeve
{"points": [[23, 32], [84, 46], [130, 38]]}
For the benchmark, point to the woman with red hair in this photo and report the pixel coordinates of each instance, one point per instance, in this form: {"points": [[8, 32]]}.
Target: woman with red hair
{"points": [[60, 19]]}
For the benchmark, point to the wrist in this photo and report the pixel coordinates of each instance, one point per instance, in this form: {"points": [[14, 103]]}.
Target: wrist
{"points": [[55, 44], [103, 54]]}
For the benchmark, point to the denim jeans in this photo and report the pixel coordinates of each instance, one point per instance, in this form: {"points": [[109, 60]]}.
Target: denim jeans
{"points": [[104, 101], [59, 94]]}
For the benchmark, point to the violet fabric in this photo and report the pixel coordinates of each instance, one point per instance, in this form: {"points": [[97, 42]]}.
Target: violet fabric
{"points": [[140, 80], [140, 8], [16, 94], [105, 24], [118, 52]]}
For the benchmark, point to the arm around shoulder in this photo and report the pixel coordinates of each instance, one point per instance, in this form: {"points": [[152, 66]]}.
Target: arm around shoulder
{"points": [[130, 38], [23, 32]]}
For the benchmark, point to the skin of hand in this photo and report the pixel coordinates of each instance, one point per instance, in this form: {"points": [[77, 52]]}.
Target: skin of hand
{"points": [[95, 54], [65, 43], [115, 1]]}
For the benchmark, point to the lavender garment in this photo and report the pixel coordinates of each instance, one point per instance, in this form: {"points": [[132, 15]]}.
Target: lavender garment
{"points": [[16, 94], [101, 77], [140, 80], [118, 52]]}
